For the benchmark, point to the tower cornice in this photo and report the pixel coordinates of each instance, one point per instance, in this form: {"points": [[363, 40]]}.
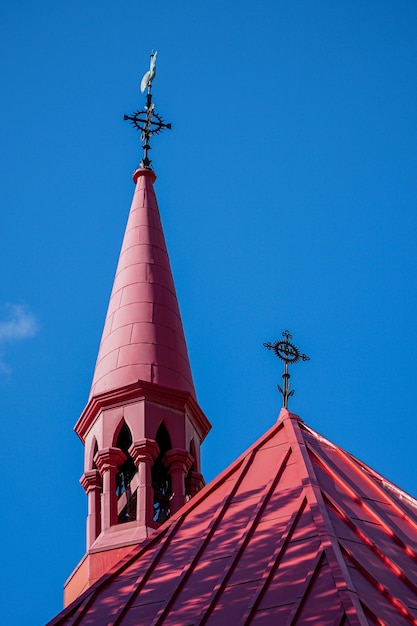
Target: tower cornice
{"points": [[141, 390]]}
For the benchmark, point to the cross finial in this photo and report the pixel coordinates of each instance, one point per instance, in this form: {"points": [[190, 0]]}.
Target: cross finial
{"points": [[289, 353], [146, 120]]}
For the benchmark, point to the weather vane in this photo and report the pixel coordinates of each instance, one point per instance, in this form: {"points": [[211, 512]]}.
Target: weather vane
{"points": [[146, 120], [289, 353]]}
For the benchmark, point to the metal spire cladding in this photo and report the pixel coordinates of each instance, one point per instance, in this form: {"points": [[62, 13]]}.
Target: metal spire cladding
{"points": [[143, 337]]}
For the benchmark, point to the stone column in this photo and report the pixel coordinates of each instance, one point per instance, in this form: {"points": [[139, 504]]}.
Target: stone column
{"points": [[178, 463], [194, 482], [108, 461], [91, 483], [144, 453]]}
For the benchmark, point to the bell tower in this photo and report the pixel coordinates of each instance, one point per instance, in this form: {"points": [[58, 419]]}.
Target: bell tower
{"points": [[142, 427]]}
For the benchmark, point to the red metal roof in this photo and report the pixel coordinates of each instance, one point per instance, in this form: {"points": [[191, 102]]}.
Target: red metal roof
{"points": [[143, 338], [295, 531]]}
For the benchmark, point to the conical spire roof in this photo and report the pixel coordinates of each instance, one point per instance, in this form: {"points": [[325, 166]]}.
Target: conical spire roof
{"points": [[143, 337], [296, 531]]}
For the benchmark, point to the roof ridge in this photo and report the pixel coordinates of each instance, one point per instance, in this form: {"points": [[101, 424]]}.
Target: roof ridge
{"points": [[396, 568], [326, 532], [393, 565], [385, 482]]}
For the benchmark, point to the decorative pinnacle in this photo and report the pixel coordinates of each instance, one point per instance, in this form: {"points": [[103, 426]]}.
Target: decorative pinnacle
{"points": [[146, 120], [289, 353]]}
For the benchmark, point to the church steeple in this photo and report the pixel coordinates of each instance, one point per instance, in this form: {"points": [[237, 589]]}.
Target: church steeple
{"points": [[142, 427]]}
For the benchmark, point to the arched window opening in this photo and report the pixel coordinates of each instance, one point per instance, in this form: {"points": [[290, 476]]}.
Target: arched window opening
{"points": [[161, 480], [193, 468], [126, 496], [94, 467]]}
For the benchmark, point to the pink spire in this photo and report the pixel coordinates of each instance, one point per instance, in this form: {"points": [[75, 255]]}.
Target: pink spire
{"points": [[143, 337]]}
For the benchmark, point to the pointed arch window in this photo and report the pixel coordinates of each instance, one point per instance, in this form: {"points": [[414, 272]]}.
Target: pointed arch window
{"points": [[161, 480], [95, 450], [126, 489], [191, 471]]}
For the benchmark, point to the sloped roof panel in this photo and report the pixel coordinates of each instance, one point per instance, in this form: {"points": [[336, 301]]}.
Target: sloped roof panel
{"points": [[295, 531]]}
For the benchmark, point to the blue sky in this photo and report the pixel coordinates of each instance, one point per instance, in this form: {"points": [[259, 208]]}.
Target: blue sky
{"points": [[287, 189]]}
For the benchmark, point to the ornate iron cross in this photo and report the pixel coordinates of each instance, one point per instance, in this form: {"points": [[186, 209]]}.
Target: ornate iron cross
{"points": [[289, 353], [147, 120]]}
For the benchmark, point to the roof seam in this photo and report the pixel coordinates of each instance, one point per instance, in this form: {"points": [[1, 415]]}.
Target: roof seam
{"points": [[392, 565], [381, 588], [379, 519], [74, 608], [117, 569], [101, 378], [352, 462], [274, 561], [83, 608], [218, 516], [179, 335], [138, 586], [308, 583], [142, 243], [250, 527]]}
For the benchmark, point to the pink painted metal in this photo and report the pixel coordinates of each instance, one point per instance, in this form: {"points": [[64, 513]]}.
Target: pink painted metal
{"points": [[142, 381], [143, 338], [296, 531]]}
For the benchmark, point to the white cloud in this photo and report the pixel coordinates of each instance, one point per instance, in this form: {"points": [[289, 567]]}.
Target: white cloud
{"points": [[16, 323], [19, 324]]}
